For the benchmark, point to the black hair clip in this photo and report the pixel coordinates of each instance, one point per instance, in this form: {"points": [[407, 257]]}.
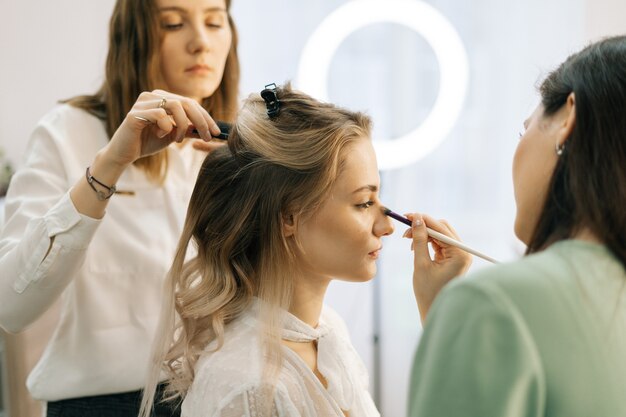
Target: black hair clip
{"points": [[271, 100]]}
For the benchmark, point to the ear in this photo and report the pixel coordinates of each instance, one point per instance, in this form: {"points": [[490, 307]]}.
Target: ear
{"points": [[569, 119], [289, 225]]}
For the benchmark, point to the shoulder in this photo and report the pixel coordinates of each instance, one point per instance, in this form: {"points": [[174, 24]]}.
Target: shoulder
{"points": [[66, 115], [532, 283], [242, 344], [496, 298], [219, 372], [231, 378], [67, 123], [73, 134], [518, 296]]}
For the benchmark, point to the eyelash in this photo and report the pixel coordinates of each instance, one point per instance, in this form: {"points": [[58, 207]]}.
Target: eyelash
{"points": [[177, 26], [365, 205], [173, 27]]}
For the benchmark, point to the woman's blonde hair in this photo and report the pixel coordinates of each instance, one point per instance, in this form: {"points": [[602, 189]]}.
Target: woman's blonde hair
{"points": [[270, 170], [133, 66]]}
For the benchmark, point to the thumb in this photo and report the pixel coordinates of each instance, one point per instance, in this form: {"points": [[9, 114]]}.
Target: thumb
{"points": [[421, 256]]}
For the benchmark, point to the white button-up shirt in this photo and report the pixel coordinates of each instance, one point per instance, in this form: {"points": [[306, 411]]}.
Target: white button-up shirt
{"points": [[108, 272]]}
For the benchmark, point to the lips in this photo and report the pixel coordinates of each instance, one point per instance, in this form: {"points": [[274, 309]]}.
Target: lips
{"points": [[375, 253], [198, 68]]}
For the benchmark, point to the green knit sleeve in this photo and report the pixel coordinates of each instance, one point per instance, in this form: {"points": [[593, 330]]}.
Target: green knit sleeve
{"points": [[476, 358]]}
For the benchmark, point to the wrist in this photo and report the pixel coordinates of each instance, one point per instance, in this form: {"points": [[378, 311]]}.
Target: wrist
{"points": [[107, 169]]}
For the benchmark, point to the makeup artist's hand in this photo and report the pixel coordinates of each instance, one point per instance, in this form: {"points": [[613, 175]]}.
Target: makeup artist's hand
{"points": [[431, 275], [157, 119]]}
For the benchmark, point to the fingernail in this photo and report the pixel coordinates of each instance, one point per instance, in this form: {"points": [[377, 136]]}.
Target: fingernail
{"points": [[417, 222], [162, 135]]}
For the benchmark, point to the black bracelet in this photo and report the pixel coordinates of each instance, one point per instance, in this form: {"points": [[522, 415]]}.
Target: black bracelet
{"points": [[101, 194]]}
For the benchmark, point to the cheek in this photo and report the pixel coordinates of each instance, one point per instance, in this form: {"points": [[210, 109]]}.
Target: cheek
{"points": [[167, 54], [225, 42]]}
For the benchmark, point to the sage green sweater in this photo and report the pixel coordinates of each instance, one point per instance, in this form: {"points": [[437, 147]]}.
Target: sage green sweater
{"points": [[543, 336]]}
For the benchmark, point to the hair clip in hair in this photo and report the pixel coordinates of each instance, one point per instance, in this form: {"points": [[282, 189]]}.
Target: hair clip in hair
{"points": [[271, 100]]}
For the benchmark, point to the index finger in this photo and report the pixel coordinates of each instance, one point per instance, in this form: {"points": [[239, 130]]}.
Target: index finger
{"points": [[439, 226], [207, 121]]}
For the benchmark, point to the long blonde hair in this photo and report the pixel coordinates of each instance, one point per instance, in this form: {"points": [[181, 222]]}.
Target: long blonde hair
{"points": [[271, 169], [132, 66]]}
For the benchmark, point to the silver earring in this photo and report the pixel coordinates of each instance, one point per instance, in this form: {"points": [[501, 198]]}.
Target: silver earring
{"points": [[559, 149]]}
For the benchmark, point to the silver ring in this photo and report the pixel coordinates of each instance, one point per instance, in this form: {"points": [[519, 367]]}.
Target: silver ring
{"points": [[163, 103], [143, 119]]}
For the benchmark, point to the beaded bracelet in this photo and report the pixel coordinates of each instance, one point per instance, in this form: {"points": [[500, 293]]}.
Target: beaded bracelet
{"points": [[101, 194]]}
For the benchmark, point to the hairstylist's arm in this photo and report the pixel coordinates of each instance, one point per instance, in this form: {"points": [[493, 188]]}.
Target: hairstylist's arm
{"points": [[44, 240], [431, 275], [156, 120]]}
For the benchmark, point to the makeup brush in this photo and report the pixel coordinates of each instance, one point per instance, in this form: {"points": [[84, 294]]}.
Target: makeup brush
{"points": [[440, 237]]}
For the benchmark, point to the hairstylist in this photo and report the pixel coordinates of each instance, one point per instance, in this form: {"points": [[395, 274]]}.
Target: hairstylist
{"points": [[96, 211]]}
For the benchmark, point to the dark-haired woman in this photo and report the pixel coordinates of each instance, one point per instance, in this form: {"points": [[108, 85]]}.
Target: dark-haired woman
{"points": [[544, 336], [171, 64]]}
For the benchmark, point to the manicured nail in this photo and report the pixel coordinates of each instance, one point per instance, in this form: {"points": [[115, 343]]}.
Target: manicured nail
{"points": [[417, 222]]}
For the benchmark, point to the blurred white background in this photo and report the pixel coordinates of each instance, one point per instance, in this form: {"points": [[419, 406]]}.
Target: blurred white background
{"points": [[55, 50]]}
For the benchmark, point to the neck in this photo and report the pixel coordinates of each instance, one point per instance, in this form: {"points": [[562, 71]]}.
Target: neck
{"points": [[587, 235], [308, 298]]}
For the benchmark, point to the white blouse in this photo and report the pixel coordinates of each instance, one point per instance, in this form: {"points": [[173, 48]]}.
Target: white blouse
{"points": [[229, 382], [108, 272]]}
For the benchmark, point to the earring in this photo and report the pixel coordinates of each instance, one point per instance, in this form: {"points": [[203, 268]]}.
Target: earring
{"points": [[559, 149]]}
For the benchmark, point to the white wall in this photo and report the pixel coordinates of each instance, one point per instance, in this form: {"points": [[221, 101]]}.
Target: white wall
{"points": [[50, 50]]}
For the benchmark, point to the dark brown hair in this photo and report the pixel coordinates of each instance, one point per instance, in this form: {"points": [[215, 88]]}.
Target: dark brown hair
{"points": [[132, 66], [588, 187]]}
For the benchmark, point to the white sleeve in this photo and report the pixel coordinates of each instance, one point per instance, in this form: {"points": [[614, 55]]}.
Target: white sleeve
{"points": [[44, 239]]}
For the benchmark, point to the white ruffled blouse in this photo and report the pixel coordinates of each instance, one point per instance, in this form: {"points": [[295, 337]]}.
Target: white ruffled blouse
{"points": [[229, 382]]}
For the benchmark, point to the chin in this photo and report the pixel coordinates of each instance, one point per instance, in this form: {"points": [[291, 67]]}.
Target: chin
{"points": [[365, 277], [520, 232]]}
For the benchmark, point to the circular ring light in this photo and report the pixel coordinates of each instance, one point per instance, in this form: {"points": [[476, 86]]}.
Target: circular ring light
{"points": [[435, 29]]}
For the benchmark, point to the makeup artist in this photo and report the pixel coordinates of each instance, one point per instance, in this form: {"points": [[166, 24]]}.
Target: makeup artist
{"points": [[96, 211], [543, 336]]}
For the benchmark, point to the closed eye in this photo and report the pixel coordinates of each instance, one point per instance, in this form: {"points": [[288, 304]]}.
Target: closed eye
{"points": [[173, 26]]}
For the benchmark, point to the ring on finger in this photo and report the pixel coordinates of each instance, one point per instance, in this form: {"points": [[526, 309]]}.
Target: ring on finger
{"points": [[143, 119], [163, 103]]}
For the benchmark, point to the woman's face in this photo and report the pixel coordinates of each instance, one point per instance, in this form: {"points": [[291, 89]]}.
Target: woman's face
{"points": [[533, 165], [195, 45], [343, 238]]}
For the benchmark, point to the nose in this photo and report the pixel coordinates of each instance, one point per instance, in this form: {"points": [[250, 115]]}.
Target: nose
{"points": [[199, 39], [383, 225]]}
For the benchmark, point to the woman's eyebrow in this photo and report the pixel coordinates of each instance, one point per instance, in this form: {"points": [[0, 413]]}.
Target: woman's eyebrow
{"points": [[182, 10], [372, 188]]}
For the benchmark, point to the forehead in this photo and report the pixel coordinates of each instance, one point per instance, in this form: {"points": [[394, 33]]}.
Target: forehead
{"points": [[359, 167]]}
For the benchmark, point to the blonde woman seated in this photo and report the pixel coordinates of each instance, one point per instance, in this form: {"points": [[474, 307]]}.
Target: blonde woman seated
{"points": [[291, 204]]}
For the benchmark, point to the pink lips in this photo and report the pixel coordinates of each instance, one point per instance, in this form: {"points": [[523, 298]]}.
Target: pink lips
{"points": [[198, 69], [374, 254]]}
